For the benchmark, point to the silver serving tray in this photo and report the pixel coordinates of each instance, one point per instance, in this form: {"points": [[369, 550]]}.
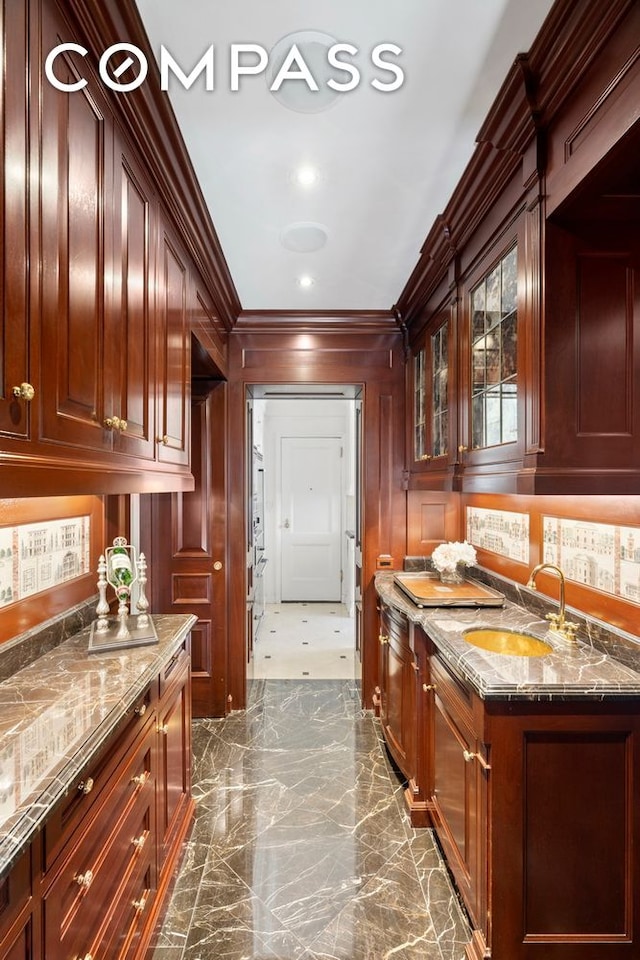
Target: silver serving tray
{"points": [[427, 590]]}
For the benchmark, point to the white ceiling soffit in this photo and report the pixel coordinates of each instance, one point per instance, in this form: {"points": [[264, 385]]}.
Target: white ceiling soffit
{"points": [[387, 162]]}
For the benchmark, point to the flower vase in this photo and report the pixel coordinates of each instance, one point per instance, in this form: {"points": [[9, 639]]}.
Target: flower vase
{"points": [[451, 575]]}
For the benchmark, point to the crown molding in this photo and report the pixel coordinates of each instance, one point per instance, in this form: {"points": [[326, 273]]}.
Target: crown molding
{"points": [[316, 321]]}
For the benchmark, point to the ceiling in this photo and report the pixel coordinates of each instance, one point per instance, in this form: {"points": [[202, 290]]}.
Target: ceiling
{"points": [[386, 162]]}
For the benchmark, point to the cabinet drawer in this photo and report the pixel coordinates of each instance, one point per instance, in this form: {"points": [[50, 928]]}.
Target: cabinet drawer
{"points": [[83, 900], [122, 938], [172, 671], [452, 691], [89, 791]]}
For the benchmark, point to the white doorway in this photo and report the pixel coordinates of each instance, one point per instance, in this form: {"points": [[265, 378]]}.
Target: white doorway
{"points": [[311, 496], [307, 437]]}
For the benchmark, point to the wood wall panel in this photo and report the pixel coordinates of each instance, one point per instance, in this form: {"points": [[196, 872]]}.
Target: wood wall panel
{"points": [[191, 512], [189, 588], [14, 228], [605, 345], [173, 345], [201, 652], [315, 359], [432, 518], [564, 836], [77, 257]]}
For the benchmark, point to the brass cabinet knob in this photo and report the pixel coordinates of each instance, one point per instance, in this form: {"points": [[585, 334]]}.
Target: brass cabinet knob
{"points": [[383, 639], [141, 710], [123, 425], [112, 423], [140, 904], [84, 880], [463, 448], [163, 728], [86, 786], [164, 440], [24, 392], [139, 842], [217, 565], [428, 686]]}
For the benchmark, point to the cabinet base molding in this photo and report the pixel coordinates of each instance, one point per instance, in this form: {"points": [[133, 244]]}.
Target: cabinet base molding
{"points": [[477, 949], [419, 810]]}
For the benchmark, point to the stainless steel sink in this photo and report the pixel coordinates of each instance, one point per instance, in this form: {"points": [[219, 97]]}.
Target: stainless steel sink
{"points": [[508, 642]]}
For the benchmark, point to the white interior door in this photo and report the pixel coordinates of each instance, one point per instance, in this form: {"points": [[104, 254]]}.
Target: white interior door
{"points": [[311, 487]]}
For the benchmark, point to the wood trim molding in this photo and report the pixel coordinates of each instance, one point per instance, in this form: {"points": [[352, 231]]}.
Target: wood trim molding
{"points": [[149, 120], [321, 321]]}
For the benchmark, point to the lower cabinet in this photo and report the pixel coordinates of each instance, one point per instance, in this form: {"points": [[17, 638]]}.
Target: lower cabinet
{"points": [[402, 705], [537, 808], [459, 802], [93, 882]]}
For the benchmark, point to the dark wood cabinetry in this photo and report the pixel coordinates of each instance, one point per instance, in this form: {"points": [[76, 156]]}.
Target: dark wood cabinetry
{"points": [[95, 878], [100, 288], [402, 705], [546, 389], [536, 809], [460, 790]]}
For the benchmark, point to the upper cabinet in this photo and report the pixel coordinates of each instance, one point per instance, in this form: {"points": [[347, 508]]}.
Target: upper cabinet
{"points": [[537, 257], [434, 400], [104, 274]]}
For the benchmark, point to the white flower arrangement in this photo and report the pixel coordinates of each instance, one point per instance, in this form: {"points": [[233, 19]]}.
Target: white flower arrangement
{"points": [[447, 556]]}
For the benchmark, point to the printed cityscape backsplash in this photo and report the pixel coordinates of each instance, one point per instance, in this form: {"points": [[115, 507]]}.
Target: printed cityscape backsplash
{"points": [[600, 555], [37, 556], [501, 531]]}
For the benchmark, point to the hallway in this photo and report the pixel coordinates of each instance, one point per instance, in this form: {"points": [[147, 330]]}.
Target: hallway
{"points": [[300, 849]]}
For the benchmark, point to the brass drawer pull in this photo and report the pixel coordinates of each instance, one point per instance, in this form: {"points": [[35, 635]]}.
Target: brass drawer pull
{"points": [[141, 779], [468, 756], [84, 880], [86, 786], [141, 710]]}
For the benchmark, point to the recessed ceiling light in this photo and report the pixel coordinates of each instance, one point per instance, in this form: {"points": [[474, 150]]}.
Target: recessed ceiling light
{"points": [[306, 176], [305, 282]]}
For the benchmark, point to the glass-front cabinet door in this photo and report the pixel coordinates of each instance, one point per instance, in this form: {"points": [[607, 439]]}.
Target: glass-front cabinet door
{"points": [[431, 394], [490, 412]]}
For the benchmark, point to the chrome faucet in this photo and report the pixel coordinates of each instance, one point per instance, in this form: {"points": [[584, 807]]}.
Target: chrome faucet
{"points": [[565, 628]]}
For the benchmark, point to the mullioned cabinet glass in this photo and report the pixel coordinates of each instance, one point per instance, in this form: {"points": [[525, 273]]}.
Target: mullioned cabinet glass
{"points": [[494, 339], [431, 407]]}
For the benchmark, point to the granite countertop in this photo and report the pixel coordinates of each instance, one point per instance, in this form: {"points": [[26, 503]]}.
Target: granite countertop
{"points": [[572, 671], [56, 714]]}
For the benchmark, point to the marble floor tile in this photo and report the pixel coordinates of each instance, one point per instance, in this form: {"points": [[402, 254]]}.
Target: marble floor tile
{"points": [[305, 640], [301, 848]]}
